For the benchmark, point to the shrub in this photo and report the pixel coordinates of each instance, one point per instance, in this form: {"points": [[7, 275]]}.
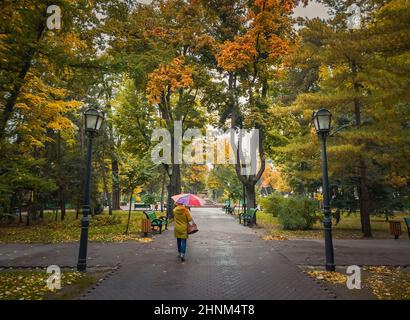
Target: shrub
{"points": [[297, 213], [98, 208], [272, 203], [149, 199]]}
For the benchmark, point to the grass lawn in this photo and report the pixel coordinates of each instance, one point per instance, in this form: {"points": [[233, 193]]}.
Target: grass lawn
{"points": [[31, 284], [103, 228], [348, 228]]}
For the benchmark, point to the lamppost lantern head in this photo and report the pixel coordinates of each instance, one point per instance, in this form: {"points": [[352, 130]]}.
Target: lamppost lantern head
{"points": [[322, 119], [93, 120]]}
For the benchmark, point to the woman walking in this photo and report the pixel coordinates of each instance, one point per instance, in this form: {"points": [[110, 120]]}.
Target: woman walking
{"points": [[182, 218]]}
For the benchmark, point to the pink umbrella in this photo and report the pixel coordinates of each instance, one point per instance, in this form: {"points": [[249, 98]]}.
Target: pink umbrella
{"points": [[189, 200]]}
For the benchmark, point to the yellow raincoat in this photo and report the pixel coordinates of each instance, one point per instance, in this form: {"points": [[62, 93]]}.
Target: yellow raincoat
{"points": [[181, 217]]}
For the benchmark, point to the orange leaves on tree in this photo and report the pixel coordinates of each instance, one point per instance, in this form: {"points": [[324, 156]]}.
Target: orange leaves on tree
{"points": [[287, 5], [236, 54], [269, 177], [158, 32], [169, 78], [261, 42], [279, 47]]}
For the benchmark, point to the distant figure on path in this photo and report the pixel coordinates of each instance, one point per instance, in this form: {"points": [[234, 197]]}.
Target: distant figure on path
{"points": [[182, 218]]}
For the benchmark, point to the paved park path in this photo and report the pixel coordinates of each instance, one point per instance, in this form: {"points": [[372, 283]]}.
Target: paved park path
{"points": [[225, 260]]}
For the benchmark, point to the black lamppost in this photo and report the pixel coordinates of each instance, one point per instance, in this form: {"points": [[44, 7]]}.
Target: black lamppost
{"points": [[93, 120], [322, 120], [244, 202], [169, 202]]}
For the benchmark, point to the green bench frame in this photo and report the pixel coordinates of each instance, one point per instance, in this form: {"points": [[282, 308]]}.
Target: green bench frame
{"points": [[156, 222], [248, 217], [407, 221]]}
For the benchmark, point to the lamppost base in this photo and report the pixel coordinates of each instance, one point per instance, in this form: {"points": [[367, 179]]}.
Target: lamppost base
{"points": [[330, 267], [81, 267]]}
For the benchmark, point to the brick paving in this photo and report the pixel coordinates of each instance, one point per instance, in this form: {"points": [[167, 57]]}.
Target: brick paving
{"points": [[348, 252], [225, 260]]}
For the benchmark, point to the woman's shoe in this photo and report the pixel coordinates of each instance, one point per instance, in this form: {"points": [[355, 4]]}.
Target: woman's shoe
{"points": [[182, 258]]}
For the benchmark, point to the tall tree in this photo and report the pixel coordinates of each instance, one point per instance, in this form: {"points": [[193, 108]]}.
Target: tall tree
{"points": [[349, 74], [251, 59], [159, 53]]}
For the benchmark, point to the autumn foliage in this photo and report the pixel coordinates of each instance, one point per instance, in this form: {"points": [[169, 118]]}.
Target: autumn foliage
{"points": [[265, 37], [168, 79]]}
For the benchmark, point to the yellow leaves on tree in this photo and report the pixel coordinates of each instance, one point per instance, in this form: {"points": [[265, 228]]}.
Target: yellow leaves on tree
{"points": [[72, 44], [197, 173], [168, 79], [395, 180], [213, 182], [40, 108]]}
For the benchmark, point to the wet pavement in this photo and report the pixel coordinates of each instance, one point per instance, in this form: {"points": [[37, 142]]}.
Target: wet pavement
{"points": [[225, 260]]}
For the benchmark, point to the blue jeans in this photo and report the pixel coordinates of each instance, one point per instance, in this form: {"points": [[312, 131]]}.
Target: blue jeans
{"points": [[181, 245]]}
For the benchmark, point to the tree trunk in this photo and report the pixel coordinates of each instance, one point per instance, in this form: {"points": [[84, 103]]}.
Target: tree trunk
{"points": [[35, 206], [251, 197], [176, 179], [364, 201], [62, 202], [363, 184], [386, 215], [249, 180], [77, 210], [105, 184], [116, 194], [164, 180], [107, 194], [20, 215], [41, 216], [174, 186], [129, 215], [60, 179]]}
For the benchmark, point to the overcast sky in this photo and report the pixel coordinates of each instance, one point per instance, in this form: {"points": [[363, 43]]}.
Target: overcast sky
{"points": [[313, 10]]}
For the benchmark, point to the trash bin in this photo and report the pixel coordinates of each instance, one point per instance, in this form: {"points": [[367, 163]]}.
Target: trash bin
{"points": [[395, 228], [145, 226]]}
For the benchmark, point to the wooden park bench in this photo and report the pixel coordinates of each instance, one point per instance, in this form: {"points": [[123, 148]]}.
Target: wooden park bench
{"points": [[141, 206], [249, 217], [156, 222], [407, 221]]}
